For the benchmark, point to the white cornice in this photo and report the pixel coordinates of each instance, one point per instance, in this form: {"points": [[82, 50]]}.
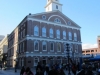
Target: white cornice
{"points": [[46, 39], [39, 20]]}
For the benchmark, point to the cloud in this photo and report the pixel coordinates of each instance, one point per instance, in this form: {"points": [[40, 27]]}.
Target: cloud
{"points": [[86, 46]]}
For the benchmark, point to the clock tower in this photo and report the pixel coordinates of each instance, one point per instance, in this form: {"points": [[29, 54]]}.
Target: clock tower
{"points": [[53, 5]]}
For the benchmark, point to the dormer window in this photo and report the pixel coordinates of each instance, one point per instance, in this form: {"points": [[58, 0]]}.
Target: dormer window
{"points": [[43, 17], [57, 20]]}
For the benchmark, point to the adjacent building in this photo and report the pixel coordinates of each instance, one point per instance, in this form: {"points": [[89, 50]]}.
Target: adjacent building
{"points": [[92, 51], [3, 49], [42, 37], [1, 37]]}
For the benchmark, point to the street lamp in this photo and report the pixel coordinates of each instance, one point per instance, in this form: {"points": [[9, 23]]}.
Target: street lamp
{"points": [[68, 52]]}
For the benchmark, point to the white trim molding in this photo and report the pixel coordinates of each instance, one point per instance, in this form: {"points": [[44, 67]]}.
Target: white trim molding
{"points": [[57, 16], [48, 22], [46, 39]]}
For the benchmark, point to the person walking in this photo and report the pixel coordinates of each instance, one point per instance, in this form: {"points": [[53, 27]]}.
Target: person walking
{"points": [[28, 72], [83, 70], [39, 72], [74, 69], [89, 70], [22, 71]]}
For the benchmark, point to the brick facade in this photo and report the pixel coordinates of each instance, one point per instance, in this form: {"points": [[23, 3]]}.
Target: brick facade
{"points": [[25, 43]]}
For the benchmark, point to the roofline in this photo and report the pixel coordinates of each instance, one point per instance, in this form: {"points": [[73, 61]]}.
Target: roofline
{"points": [[55, 11], [18, 25]]}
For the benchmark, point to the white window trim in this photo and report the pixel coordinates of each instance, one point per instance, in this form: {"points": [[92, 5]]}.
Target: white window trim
{"points": [[34, 61], [51, 34], [42, 46], [70, 35], [43, 17], [64, 35], [75, 37], [36, 31], [34, 46], [43, 33], [58, 34], [60, 47]]}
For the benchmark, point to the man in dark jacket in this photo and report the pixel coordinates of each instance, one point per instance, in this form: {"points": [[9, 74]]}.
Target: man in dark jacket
{"points": [[83, 70], [89, 71], [53, 71]]}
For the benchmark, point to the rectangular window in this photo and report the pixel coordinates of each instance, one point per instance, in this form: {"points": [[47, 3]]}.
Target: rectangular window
{"points": [[52, 47], [24, 33], [20, 48], [58, 47], [36, 46], [23, 46], [44, 47], [21, 35]]}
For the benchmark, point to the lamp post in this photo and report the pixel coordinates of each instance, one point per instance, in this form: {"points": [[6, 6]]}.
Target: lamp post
{"points": [[67, 52]]}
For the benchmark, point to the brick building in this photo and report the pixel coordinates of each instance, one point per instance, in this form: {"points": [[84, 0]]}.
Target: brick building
{"points": [[42, 36], [92, 51]]}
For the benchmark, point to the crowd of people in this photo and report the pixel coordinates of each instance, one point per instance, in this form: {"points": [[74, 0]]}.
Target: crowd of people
{"points": [[58, 69]]}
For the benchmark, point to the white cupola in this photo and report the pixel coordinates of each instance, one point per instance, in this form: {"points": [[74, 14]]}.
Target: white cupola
{"points": [[53, 5]]}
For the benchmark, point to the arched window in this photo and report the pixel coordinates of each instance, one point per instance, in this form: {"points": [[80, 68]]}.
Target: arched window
{"points": [[36, 46], [70, 36], [51, 33], [64, 35], [58, 34], [44, 46], [75, 37], [51, 46], [58, 47], [36, 31], [44, 32], [57, 20]]}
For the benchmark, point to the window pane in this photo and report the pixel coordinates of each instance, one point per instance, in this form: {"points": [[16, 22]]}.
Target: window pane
{"points": [[75, 37], [36, 45], [36, 31], [70, 36], [58, 34], [44, 45], [44, 31], [51, 33], [58, 47], [51, 46]]}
